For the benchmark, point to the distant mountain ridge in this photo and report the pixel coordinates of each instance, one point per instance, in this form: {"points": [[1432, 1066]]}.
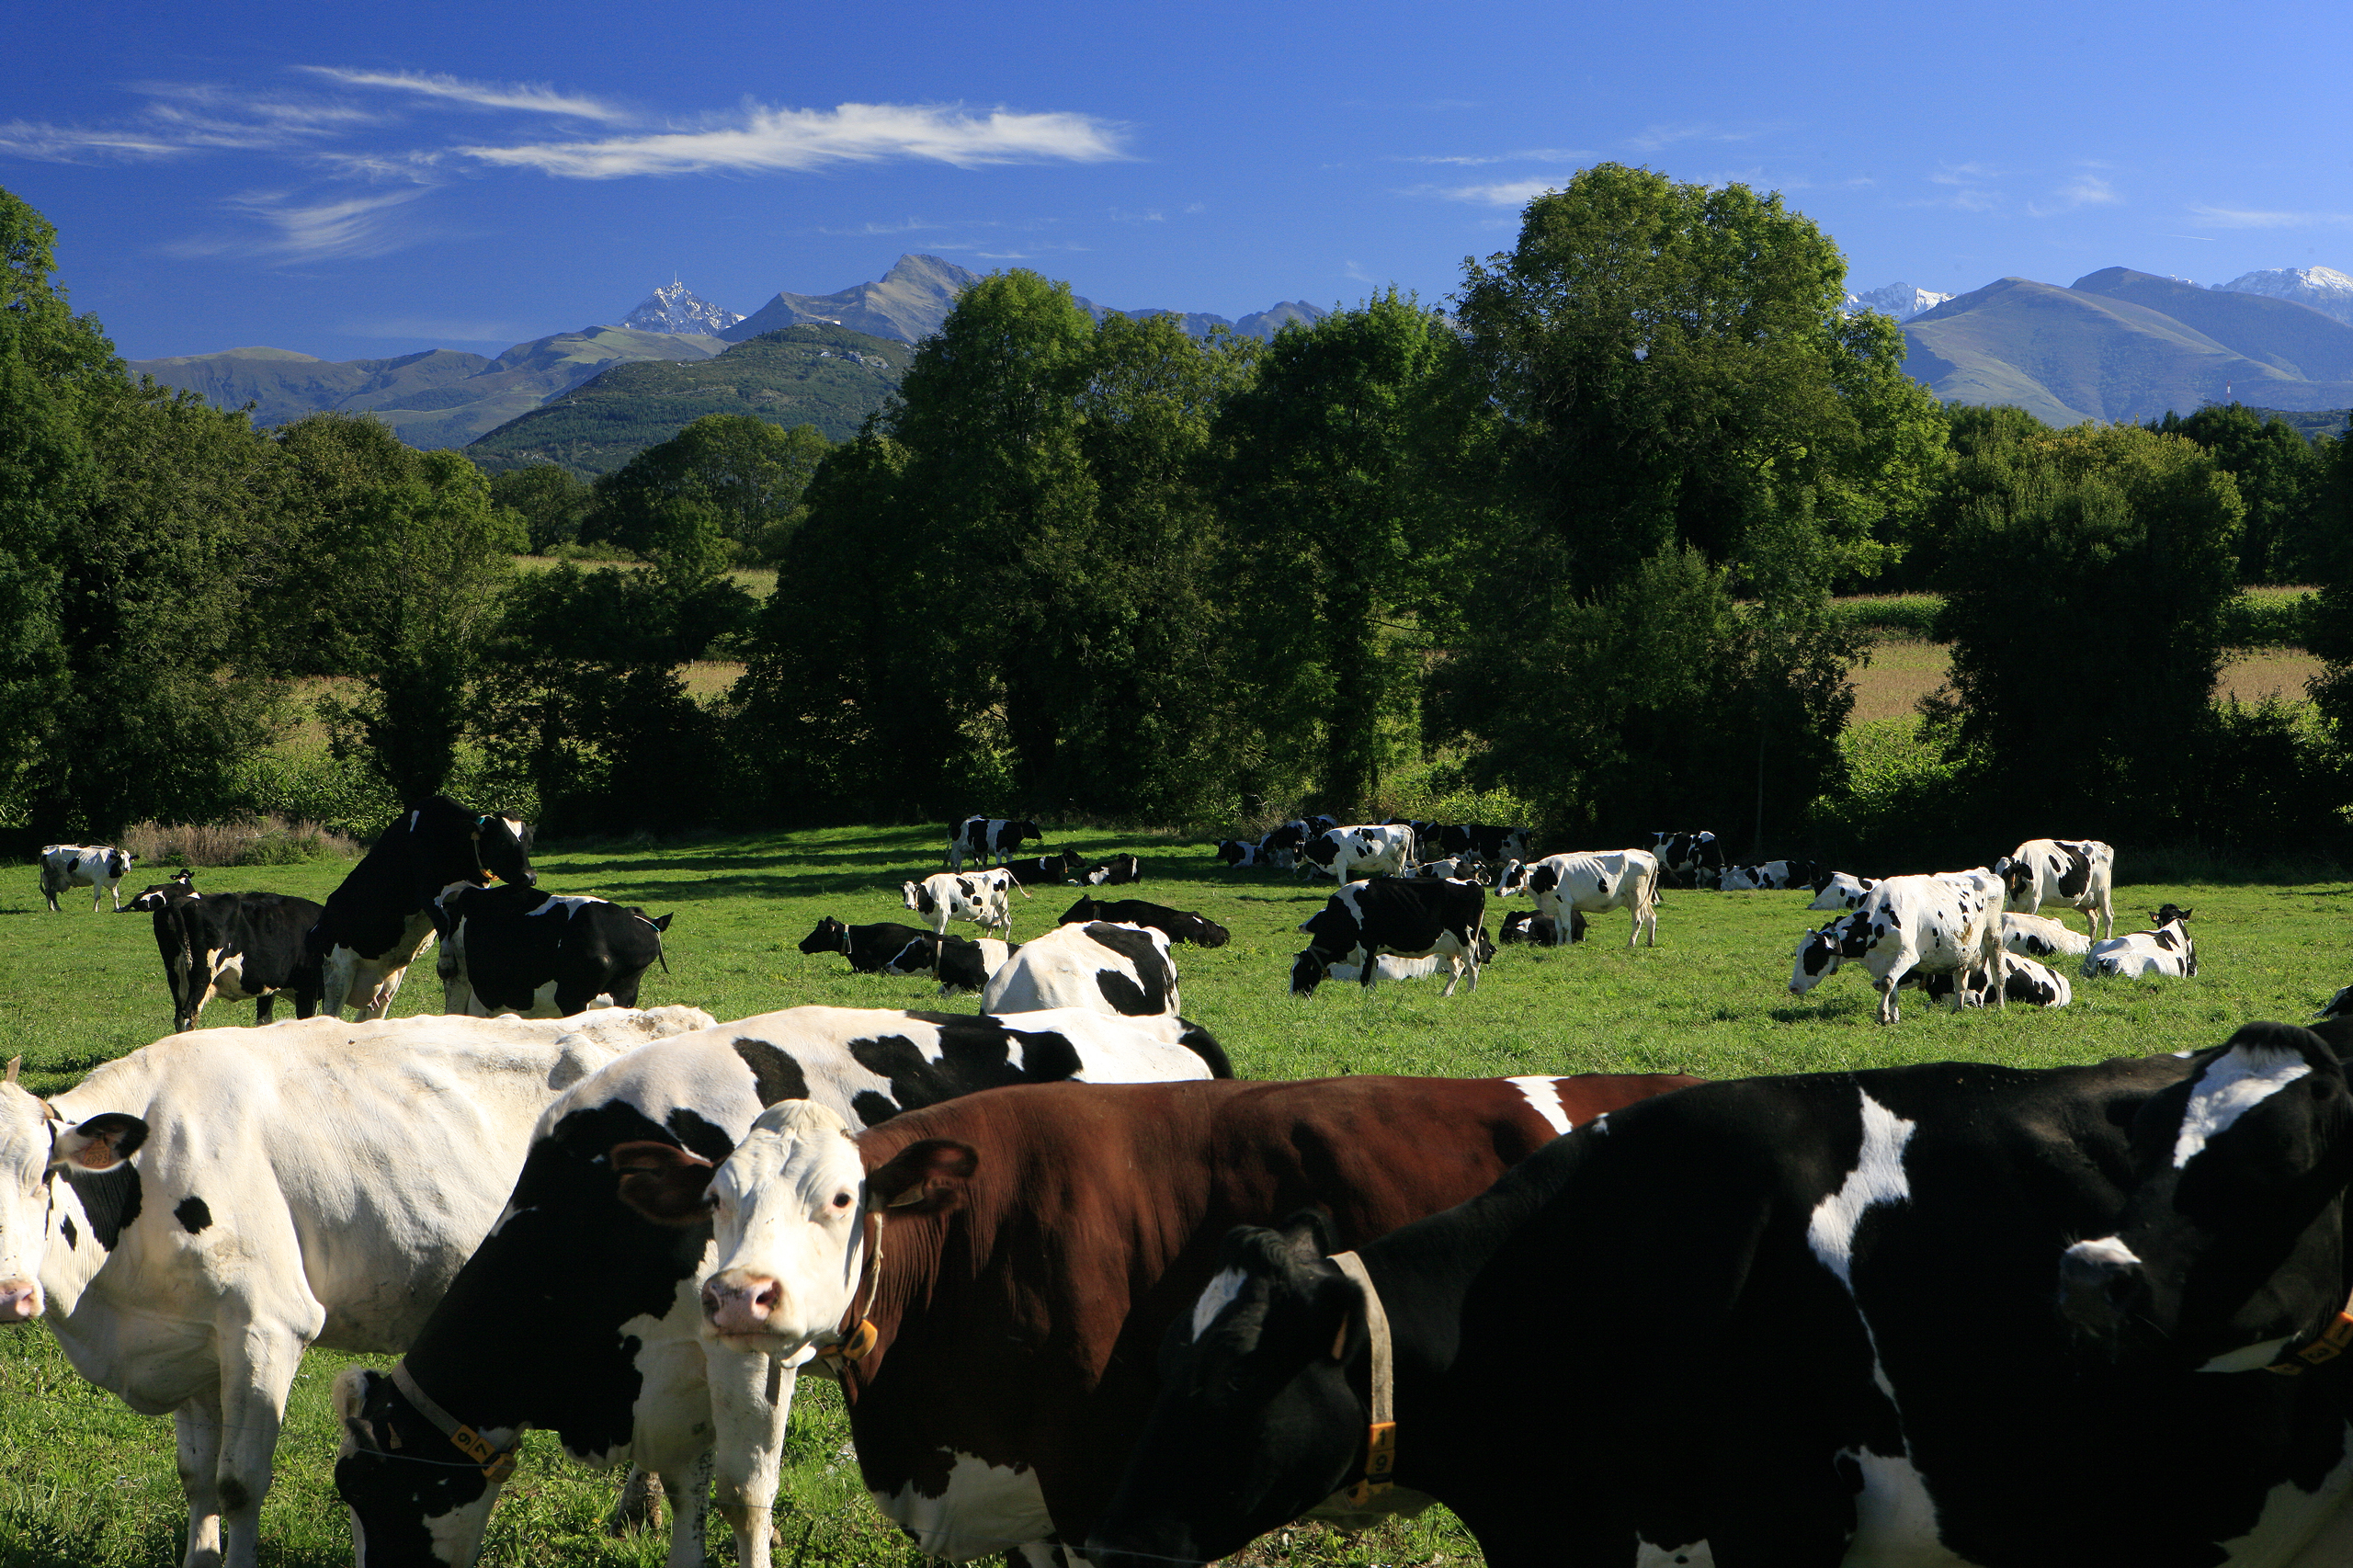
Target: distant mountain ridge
{"points": [[1901, 301], [2325, 288], [673, 307]]}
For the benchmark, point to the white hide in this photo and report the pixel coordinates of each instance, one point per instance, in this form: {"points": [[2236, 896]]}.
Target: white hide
{"points": [[1058, 970]]}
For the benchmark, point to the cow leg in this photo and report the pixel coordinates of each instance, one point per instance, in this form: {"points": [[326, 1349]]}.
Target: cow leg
{"points": [[199, 1426], [258, 1366], [264, 1005], [751, 1394], [1889, 1011], [688, 1488]]}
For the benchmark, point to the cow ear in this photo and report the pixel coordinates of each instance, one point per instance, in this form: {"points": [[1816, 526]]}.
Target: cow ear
{"points": [[15, 1065], [663, 1182], [100, 1142], [925, 1178]]}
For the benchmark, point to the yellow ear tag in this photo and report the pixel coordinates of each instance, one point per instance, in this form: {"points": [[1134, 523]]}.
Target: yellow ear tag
{"points": [[860, 1341]]}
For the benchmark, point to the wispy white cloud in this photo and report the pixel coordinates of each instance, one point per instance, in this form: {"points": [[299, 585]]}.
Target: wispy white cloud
{"points": [[767, 140], [2084, 191], [897, 226], [1351, 270], [2243, 218], [1964, 174], [531, 97], [300, 230], [1525, 155], [184, 118], [1508, 193], [1654, 138], [1150, 215], [43, 142]]}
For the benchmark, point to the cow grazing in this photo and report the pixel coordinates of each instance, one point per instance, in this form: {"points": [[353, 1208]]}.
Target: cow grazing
{"points": [[1837, 889], [577, 1316], [235, 946], [1591, 883], [191, 1217], [1351, 854], [2039, 936], [382, 915], [2079, 873], [1394, 968], [1807, 1321], [982, 897], [1038, 1242], [1950, 921], [2165, 949], [1176, 924], [1046, 867], [1118, 871], [98, 867], [1771, 876], [1396, 915], [987, 840], [1102, 967], [518, 950], [1240, 853], [1687, 859]]}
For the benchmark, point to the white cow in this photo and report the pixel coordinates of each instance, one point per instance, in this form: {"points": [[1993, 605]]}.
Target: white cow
{"points": [[98, 867], [1948, 922], [1591, 882], [1352, 854], [985, 898], [2080, 872], [2039, 936], [1839, 891], [193, 1216], [2166, 950], [1097, 965]]}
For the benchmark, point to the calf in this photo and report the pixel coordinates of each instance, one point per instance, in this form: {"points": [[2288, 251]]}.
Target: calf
{"points": [[1394, 914], [1393, 968], [1770, 876], [987, 840], [1101, 966], [244, 946], [1593, 884], [2078, 871], [1351, 854], [1542, 931], [1687, 859], [982, 897], [1002, 1320], [1808, 1322], [312, 1183], [2164, 950], [578, 1315], [1119, 870], [1046, 867], [1237, 853], [1176, 924], [98, 867], [1838, 890], [518, 950], [1951, 922], [2039, 936], [382, 914]]}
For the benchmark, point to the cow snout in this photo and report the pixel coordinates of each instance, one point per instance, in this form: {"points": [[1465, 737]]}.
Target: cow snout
{"points": [[741, 1303], [2100, 1283], [19, 1300]]}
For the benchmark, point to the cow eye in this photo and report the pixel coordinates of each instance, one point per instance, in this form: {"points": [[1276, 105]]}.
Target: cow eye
{"points": [[841, 1201]]}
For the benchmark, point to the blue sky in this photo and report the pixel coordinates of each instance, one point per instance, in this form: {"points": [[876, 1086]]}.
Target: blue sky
{"points": [[361, 180]]}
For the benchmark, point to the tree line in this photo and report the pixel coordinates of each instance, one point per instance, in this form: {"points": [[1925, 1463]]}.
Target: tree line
{"points": [[1575, 538]]}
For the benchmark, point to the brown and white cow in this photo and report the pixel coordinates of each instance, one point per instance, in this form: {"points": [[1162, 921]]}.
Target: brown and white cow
{"points": [[1035, 1245]]}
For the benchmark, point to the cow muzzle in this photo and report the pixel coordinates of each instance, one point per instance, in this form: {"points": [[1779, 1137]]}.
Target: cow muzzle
{"points": [[740, 1302], [19, 1300], [2101, 1283]]}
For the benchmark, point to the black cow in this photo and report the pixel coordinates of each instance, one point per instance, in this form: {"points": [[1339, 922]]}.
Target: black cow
{"points": [[1117, 870], [887, 948], [1527, 925], [1179, 925], [518, 950], [1047, 868], [382, 913], [1688, 859], [238, 947], [1804, 1322], [1408, 918], [986, 839]]}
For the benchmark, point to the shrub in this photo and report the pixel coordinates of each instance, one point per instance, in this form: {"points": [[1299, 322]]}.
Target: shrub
{"points": [[260, 841]]}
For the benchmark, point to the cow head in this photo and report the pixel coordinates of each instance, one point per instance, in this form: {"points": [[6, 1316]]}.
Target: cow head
{"points": [[2231, 1253], [917, 897], [160, 895], [1511, 879], [1231, 851], [2167, 915], [1307, 972], [1257, 1419], [830, 936], [503, 847], [415, 1498], [51, 1243], [1821, 952]]}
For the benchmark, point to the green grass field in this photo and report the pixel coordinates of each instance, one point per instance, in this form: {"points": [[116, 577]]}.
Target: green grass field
{"points": [[84, 1482]]}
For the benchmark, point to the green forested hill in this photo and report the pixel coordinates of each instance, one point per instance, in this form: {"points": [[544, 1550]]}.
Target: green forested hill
{"points": [[826, 376]]}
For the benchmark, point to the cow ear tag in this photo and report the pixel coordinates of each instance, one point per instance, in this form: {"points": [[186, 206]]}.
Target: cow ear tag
{"points": [[861, 1340]]}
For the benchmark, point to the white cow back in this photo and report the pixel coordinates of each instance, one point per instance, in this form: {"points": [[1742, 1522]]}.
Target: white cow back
{"points": [[1065, 967]]}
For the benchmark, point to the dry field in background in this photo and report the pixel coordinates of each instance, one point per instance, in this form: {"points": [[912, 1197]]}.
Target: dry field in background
{"points": [[1903, 670]]}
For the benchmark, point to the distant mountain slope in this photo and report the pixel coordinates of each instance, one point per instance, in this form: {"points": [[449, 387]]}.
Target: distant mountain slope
{"points": [[2282, 334], [2325, 288], [2068, 355], [438, 398], [826, 376]]}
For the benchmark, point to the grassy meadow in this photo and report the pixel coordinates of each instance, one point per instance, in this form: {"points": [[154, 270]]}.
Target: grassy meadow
{"points": [[84, 1483]]}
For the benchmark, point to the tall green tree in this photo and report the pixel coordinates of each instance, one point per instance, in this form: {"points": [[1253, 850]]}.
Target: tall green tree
{"points": [[744, 474], [2278, 472], [551, 501]]}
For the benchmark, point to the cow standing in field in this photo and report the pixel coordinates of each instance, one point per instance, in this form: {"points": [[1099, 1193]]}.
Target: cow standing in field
{"points": [[1351, 854], [541, 955], [579, 1316], [98, 867], [1410, 919], [1591, 883], [1838, 890], [985, 898], [1947, 923], [1688, 859], [987, 840], [2080, 872], [237, 946], [382, 917], [191, 1217]]}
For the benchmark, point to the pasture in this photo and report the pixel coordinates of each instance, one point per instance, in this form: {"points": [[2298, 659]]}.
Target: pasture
{"points": [[84, 1481]]}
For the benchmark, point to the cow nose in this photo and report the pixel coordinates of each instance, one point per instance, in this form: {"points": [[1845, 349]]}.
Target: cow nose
{"points": [[2100, 1282], [742, 1304], [19, 1300]]}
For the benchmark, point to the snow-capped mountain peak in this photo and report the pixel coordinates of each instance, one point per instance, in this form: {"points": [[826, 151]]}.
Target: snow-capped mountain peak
{"points": [[2325, 288], [673, 307], [1898, 300]]}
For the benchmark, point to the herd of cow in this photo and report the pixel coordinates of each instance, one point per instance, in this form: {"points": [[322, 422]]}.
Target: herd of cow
{"points": [[1092, 1299]]}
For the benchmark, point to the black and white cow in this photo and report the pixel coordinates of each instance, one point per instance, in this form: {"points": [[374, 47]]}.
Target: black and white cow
{"points": [[578, 1315], [1046, 867], [1948, 922], [1837, 889], [2039, 936], [1771, 876], [1118, 871], [1397, 915], [2080, 872], [98, 867], [541, 955], [1454, 868], [2165, 949], [1239, 853], [985, 898], [1592, 882], [1687, 859], [382, 915], [1351, 854], [2023, 981], [1176, 924], [236, 947], [1394, 968], [987, 840], [1810, 1322], [886, 947], [189, 1217], [1493, 845], [1539, 930], [1099, 966], [967, 964]]}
